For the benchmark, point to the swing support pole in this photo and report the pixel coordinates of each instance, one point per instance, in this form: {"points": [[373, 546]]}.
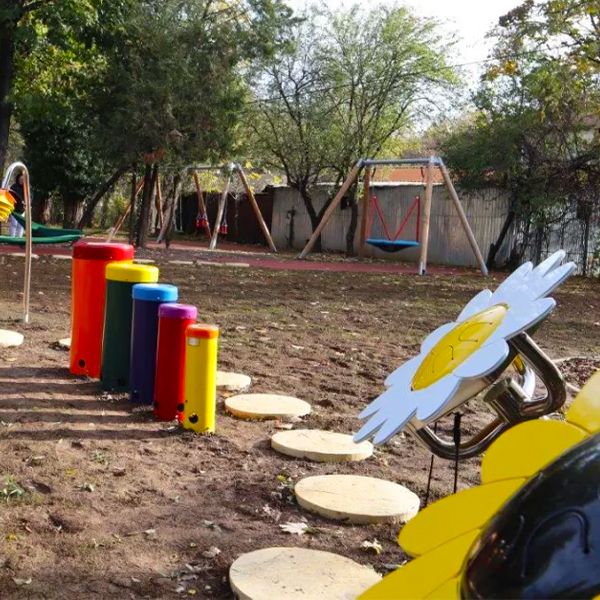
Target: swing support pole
{"points": [[364, 218], [221, 210], [331, 208], [426, 217], [463, 219], [255, 207]]}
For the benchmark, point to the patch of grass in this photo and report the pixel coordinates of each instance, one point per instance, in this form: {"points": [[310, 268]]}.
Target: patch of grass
{"points": [[11, 491], [102, 458]]}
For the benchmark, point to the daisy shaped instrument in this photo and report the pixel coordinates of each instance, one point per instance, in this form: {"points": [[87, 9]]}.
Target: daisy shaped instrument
{"points": [[530, 530], [488, 346]]}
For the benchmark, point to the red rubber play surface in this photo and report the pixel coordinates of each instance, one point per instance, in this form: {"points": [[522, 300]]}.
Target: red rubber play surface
{"points": [[259, 257]]}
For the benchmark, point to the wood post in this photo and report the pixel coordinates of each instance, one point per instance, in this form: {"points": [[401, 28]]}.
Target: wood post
{"points": [[220, 212], [364, 218], [256, 208], [119, 222], [426, 217], [334, 204], [463, 219]]}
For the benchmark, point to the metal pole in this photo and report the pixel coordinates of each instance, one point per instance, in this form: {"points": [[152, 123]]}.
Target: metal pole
{"points": [[28, 243], [364, 218]]}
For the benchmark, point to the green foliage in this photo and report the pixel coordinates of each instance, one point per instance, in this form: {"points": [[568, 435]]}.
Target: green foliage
{"points": [[352, 86], [535, 132], [101, 83], [11, 490]]}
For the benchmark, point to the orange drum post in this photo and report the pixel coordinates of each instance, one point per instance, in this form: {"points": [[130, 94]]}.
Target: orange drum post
{"points": [[88, 292]]}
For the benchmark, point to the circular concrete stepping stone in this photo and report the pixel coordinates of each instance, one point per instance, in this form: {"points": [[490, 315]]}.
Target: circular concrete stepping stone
{"points": [[233, 382], [320, 446], [10, 339], [357, 499], [65, 343], [298, 574], [266, 406]]}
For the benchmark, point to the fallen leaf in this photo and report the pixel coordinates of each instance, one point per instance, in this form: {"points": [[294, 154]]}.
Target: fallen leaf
{"points": [[22, 581], [373, 546], [297, 528]]}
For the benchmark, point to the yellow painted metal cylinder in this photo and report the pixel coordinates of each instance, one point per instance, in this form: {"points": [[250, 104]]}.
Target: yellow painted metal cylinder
{"points": [[200, 406]]}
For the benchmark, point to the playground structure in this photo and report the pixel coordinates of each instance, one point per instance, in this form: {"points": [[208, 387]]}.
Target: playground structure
{"points": [[115, 335], [487, 348], [166, 214], [391, 243], [229, 171], [34, 232]]}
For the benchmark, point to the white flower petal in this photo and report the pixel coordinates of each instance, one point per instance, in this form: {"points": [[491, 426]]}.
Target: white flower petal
{"points": [[550, 263], [432, 399], [392, 426], [542, 286], [398, 408], [513, 286], [523, 318], [433, 338], [475, 305], [483, 361], [380, 401], [403, 375]]}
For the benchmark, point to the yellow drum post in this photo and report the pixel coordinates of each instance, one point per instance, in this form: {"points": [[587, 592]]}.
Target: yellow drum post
{"points": [[200, 404]]}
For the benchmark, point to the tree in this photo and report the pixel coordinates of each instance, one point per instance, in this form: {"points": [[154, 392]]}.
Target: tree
{"points": [[533, 133], [353, 81], [101, 87]]}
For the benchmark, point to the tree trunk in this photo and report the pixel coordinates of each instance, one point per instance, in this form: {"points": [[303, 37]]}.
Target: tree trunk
{"points": [[169, 217], [143, 222], [7, 73], [41, 210], [351, 233], [315, 218], [495, 247], [72, 208], [90, 207], [132, 206]]}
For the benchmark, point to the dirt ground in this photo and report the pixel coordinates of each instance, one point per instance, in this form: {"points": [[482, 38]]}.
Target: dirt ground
{"points": [[100, 501]]}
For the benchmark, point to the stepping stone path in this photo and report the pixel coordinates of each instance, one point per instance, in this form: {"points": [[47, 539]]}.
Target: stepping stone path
{"points": [[298, 574], [320, 446], [357, 499], [233, 382], [10, 339], [266, 406]]}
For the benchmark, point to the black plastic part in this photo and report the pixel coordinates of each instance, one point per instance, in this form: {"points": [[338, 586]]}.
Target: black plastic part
{"points": [[545, 542]]}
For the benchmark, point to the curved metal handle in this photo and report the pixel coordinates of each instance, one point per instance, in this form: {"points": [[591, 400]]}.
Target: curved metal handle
{"points": [[508, 399]]}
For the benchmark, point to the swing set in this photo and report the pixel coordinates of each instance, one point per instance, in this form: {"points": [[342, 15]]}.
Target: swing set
{"points": [[392, 242], [220, 226]]}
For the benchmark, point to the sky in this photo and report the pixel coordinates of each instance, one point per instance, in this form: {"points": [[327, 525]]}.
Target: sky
{"points": [[469, 19]]}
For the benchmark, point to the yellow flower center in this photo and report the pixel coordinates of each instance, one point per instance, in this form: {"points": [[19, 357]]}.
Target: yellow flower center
{"points": [[458, 345]]}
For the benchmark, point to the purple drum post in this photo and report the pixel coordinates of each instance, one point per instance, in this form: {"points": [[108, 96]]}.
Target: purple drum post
{"points": [[147, 298]]}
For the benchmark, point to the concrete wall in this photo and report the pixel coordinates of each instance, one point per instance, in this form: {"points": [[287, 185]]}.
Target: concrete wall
{"points": [[486, 211]]}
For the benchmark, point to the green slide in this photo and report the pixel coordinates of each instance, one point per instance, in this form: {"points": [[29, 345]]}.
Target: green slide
{"points": [[40, 234]]}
